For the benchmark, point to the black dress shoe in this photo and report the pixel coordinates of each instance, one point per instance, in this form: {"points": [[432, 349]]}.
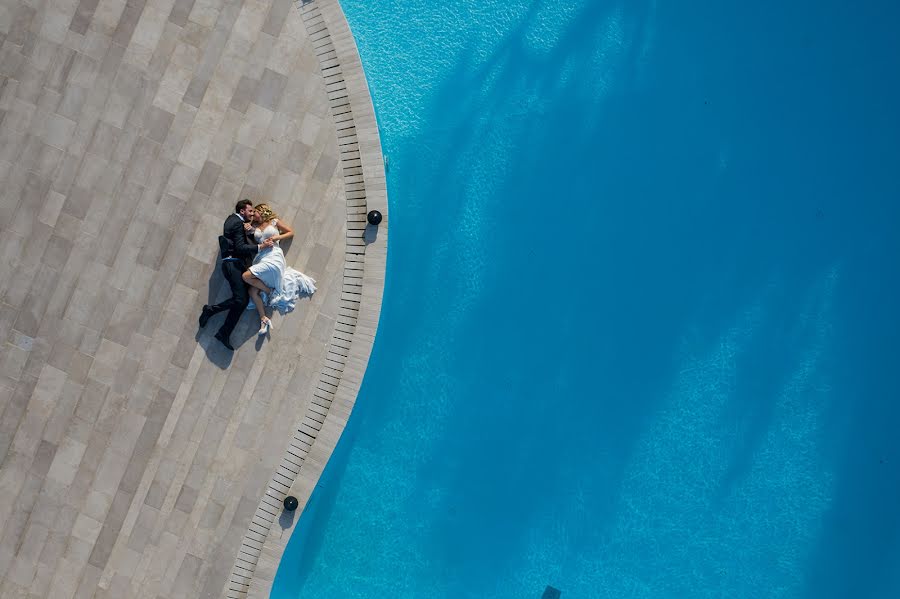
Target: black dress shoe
{"points": [[205, 315], [224, 340]]}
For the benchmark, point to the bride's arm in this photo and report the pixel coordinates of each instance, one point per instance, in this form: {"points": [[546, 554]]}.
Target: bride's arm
{"points": [[285, 231]]}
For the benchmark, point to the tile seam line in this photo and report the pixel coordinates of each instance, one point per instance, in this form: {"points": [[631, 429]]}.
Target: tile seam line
{"points": [[357, 105]]}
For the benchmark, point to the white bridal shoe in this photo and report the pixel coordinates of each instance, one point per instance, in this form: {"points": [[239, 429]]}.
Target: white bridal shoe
{"points": [[265, 326]]}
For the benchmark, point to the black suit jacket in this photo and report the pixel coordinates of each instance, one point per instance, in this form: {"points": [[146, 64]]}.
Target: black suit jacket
{"points": [[234, 242]]}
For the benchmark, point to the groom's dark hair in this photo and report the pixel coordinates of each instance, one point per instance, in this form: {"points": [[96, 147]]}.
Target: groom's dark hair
{"points": [[240, 205]]}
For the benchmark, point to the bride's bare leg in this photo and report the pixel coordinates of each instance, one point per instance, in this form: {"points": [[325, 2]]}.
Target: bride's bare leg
{"points": [[257, 301], [255, 281]]}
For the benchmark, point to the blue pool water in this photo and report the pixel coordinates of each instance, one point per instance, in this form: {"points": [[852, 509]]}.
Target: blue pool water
{"points": [[639, 335]]}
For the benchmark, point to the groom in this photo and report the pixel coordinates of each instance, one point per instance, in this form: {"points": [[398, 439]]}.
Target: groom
{"points": [[237, 253]]}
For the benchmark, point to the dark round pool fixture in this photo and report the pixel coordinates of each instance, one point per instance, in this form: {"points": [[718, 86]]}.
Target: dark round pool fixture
{"points": [[290, 503], [374, 217]]}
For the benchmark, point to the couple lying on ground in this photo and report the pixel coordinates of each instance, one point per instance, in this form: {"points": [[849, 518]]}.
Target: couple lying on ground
{"points": [[255, 269]]}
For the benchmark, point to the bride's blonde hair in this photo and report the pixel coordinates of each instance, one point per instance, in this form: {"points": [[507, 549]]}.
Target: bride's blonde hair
{"points": [[265, 213]]}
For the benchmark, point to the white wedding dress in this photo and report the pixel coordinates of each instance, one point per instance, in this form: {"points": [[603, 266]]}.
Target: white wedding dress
{"points": [[269, 266]]}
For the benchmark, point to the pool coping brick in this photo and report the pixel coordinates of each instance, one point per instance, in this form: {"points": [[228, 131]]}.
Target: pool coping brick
{"points": [[368, 146]]}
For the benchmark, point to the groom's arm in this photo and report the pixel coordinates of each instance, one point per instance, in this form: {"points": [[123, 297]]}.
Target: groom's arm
{"points": [[235, 232]]}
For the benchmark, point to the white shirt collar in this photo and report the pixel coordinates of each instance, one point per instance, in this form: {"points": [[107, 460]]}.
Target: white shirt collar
{"points": [[240, 217]]}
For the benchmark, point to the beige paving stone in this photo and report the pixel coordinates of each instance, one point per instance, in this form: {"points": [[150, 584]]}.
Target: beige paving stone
{"points": [[180, 11], [131, 129], [205, 12], [157, 123]]}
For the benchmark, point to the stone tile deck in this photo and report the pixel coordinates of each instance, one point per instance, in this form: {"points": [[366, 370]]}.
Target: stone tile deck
{"points": [[139, 458]]}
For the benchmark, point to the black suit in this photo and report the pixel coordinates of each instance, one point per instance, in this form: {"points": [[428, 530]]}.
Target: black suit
{"points": [[237, 254]]}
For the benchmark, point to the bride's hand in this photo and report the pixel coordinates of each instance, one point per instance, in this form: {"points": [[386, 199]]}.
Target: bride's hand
{"points": [[248, 227]]}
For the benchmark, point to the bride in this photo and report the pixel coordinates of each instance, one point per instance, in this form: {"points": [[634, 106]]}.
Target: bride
{"points": [[269, 272]]}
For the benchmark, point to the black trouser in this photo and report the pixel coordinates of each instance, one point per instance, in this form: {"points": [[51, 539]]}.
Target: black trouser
{"points": [[239, 299]]}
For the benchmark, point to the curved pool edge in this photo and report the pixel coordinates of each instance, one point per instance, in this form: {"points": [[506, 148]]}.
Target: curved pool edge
{"points": [[365, 259]]}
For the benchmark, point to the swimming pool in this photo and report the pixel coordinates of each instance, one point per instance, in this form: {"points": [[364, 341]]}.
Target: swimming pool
{"points": [[638, 335]]}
